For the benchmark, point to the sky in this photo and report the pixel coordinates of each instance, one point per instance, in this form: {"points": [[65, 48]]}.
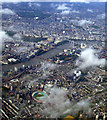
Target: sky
{"points": [[86, 1]]}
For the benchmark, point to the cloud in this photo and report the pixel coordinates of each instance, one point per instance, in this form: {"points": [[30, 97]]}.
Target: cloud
{"points": [[89, 10], [34, 1], [17, 36], [101, 16], [34, 4], [7, 11], [88, 58], [47, 68], [75, 11], [62, 7], [83, 22], [82, 105], [30, 4], [3, 36], [65, 12], [58, 104], [54, 5], [74, 21], [86, 1]]}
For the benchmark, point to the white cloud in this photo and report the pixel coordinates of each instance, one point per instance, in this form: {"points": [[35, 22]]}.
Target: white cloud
{"points": [[7, 11], [47, 65], [30, 4], [74, 21], [83, 22], [3, 36], [47, 68], [54, 5], [82, 105], [88, 58], [65, 12], [89, 10], [37, 4], [17, 37], [62, 7], [101, 16], [34, 4], [86, 1], [58, 104], [75, 11]]}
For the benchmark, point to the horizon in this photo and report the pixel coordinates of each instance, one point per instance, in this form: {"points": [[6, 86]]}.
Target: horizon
{"points": [[74, 1]]}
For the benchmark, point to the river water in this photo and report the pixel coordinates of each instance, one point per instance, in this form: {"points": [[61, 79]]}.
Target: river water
{"points": [[46, 55], [36, 59]]}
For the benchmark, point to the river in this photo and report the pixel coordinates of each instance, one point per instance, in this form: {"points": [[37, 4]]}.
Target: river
{"points": [[47, 55], [36, 59]]}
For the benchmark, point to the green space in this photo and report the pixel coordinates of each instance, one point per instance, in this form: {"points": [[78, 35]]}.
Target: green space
{"points": [[79, 27], [33, 39], [95, 26], [61, 43], [38, 95], [67, 57], [33, 14], [40, 52], [101, 91], [76, 39], [96, 33], [11, 33]]}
